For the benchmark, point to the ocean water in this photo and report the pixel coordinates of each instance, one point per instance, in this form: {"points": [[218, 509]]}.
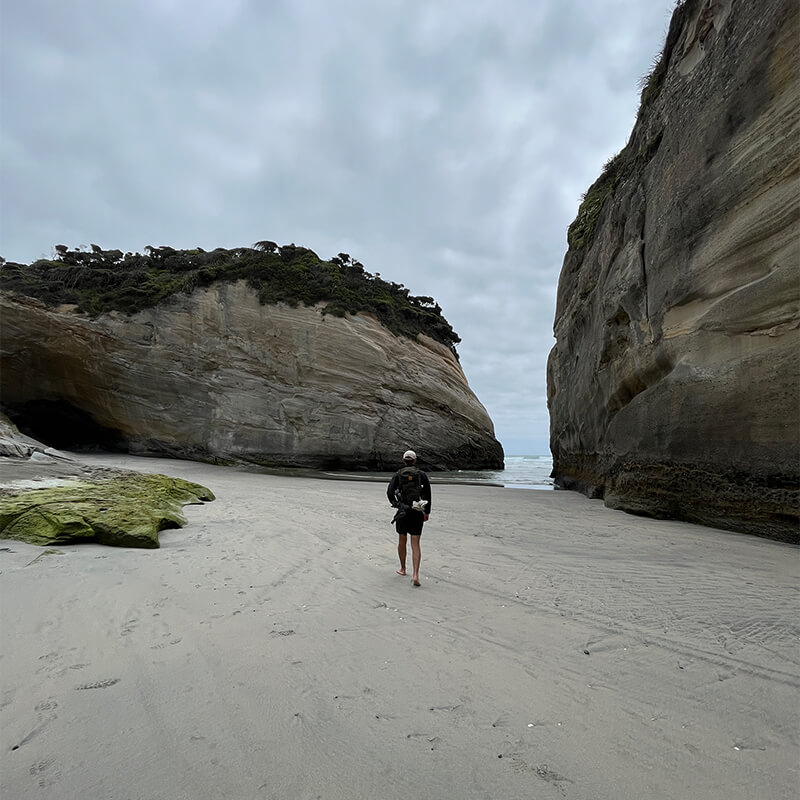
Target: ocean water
{"points": [[521, 472]]}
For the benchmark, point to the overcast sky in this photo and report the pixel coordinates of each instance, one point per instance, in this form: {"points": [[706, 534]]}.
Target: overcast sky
{"points": [[445, 144]]}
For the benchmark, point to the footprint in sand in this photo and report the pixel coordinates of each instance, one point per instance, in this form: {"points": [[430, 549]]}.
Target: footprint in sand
{"points": [[42, 770], [50, 662], [46, 711]]}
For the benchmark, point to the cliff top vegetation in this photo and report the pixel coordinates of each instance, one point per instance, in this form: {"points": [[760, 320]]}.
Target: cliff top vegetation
{"points": [[98, 281]]}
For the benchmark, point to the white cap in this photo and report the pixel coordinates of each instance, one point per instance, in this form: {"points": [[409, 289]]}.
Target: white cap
{"points": [[409, 455]]}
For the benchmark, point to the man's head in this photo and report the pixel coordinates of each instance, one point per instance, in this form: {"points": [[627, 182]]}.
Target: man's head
{"points": [[409, 457]]}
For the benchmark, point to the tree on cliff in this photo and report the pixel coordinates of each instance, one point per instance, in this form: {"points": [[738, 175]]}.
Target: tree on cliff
{"points": [[97, 281]]}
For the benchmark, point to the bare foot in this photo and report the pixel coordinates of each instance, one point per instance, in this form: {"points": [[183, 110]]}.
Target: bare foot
{"points": [[401, 572]]}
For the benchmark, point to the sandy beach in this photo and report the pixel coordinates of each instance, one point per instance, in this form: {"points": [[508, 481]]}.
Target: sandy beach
{"points": [[268, 651]]}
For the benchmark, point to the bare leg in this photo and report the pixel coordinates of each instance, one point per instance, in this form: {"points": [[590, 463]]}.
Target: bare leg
{"points": [[401, 552], [416, 557]]}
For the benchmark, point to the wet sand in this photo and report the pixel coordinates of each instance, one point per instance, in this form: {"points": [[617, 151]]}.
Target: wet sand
{"points": [[556, 649]]}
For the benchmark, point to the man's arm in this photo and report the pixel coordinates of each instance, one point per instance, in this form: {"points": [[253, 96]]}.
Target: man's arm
{"points": [[425, 486], [391, 489]]}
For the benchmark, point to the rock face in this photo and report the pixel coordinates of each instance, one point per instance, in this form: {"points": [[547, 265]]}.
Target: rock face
{"points": [[217, 376], [674, 385], [14, 444]]}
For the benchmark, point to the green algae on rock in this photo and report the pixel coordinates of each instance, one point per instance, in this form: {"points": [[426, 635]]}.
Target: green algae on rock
{"points": [[123, 511]]}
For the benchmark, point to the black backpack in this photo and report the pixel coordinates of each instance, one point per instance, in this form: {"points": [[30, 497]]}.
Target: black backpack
{"points": [[409, 485]]}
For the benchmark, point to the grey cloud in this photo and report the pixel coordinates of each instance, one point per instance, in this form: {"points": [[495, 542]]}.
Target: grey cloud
{"points": [[444, 144]]}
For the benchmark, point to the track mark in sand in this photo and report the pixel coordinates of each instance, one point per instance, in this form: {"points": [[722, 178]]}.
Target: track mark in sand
{"points": [[48, 552], [51, 663], [129, 627], [445, 708], [750, 744], [162, 645], [542, 771], [501, 721], [546, 774], [433, 741], [46, 707], [288, 632], [41, 770], [697, 651], [101, 684]]}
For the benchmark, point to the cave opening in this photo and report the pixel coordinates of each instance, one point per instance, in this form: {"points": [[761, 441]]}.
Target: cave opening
{"points": [[59, 424]]}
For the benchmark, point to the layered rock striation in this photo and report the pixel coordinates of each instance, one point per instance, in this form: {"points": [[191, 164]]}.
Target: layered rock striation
{"points": [[674, 384], [215, 375]]}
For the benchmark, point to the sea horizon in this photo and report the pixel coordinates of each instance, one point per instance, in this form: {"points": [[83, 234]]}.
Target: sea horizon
{"points": [[527, 471], [520, 472]]}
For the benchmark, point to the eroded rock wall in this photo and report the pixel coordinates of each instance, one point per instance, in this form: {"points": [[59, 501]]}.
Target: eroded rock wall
{"points": [[674, 384], [217, 376]]}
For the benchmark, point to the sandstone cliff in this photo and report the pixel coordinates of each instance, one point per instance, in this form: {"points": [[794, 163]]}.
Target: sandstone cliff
{"points": [[215, 375], [674, 385]]}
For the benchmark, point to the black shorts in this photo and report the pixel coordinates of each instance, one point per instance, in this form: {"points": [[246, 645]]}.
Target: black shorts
{"points": [[411, 523]]}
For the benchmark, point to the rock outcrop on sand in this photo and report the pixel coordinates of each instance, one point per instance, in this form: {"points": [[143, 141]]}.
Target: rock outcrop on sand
{"points": [[215, 375], [674, 385], [121, 511], [49, 498]]}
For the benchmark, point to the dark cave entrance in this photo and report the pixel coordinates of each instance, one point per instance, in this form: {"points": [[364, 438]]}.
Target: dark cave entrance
{"points": [[59, 424]]}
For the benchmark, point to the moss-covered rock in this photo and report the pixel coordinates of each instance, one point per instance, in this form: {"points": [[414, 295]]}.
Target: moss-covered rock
{"points": [[123, 511]]}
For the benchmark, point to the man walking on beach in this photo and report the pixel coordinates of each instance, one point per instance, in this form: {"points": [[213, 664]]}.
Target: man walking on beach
{"points": [[409, 492]]}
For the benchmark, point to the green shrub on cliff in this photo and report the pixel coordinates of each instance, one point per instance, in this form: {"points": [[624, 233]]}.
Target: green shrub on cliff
{"points": [[581, 231], [630, 162], [97, 281]]}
